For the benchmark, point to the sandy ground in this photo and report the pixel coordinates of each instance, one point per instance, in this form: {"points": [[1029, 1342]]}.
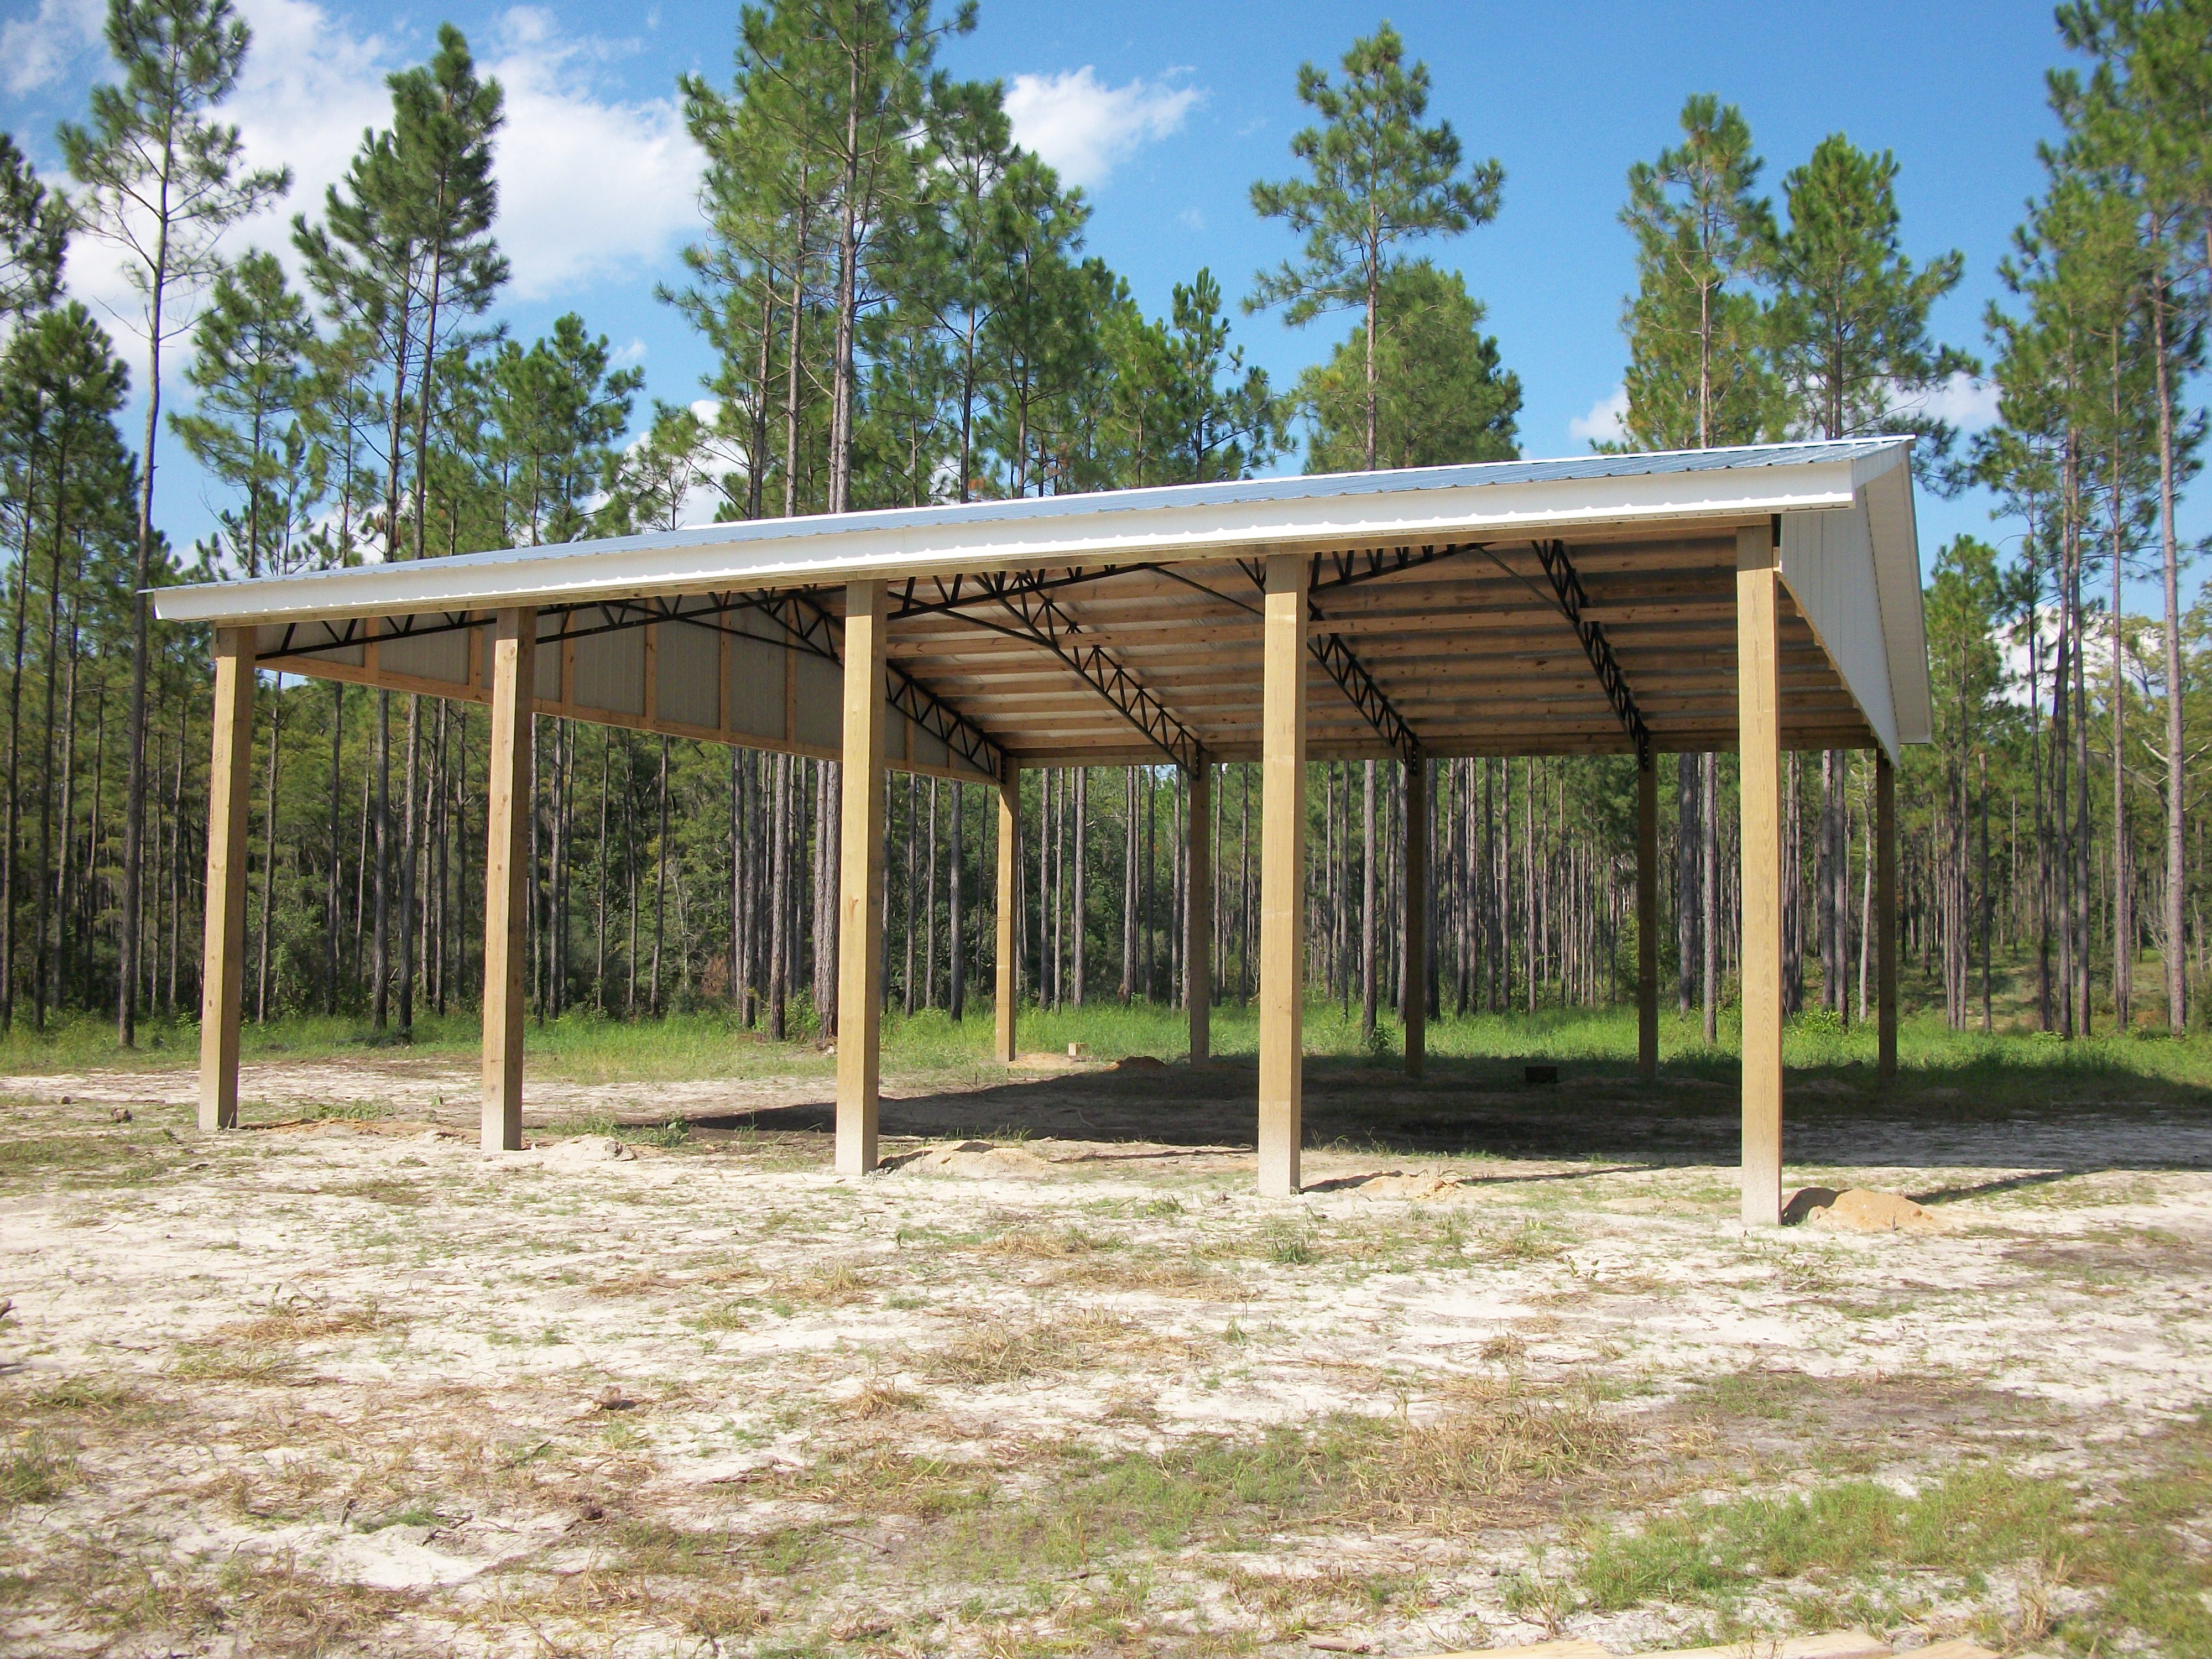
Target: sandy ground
{"points": [[1054, 1381]]}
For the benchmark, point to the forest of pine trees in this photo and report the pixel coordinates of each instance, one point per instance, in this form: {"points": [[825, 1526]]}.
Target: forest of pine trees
{"points": [[901, 311]]}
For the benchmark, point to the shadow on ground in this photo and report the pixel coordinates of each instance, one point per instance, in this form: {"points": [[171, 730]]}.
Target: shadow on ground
{"points": [[2082, 1119]]}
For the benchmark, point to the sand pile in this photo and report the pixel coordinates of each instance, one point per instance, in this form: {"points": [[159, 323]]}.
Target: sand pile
{"points": [[1859, 1210], [973, 1158]]}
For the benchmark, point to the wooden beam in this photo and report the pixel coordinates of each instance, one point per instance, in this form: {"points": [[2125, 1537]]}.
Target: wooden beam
{"points": [[507, 874], [860, 881], [1282, 876], [1647, 917], [1414, 974], [1885, 912], [230, 776], [1198, 914], [1008, 994], [1759, 748]]}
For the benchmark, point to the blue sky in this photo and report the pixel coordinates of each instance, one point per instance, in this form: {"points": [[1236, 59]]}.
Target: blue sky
{"points": [[1165, 114]]}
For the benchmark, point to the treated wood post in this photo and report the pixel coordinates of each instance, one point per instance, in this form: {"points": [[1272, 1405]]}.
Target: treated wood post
{"points": [[1647, 917], [513, 675], [1282, 875], [1885, 912], [1760, 748], [860, 881], [230, 773], [1198, 918], [1413, 976], [1010, 856]]}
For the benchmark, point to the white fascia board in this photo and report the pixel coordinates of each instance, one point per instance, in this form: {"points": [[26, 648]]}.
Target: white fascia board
{"points": [[1894, 528], [1828, 561], [1194, 523]]}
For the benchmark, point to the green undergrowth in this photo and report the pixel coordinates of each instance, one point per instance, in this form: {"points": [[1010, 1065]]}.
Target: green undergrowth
{"points": [[1973, 1070], [2087, 1574]]}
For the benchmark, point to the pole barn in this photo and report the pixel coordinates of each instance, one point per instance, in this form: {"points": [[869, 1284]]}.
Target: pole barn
{"points": [[1761, 598]]}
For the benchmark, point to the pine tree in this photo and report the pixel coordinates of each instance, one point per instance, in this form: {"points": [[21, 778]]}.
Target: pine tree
{"points": [[960, 218], [61, 459], [555, 412], [2144, 122], [1851, 313], [854, 75], [1697, 374], [1443, 396], [1849, 325], [1046, 313], [161, 185], [407, 247], [1378, 178], [34, 237], [250, 345], [655, 478]]}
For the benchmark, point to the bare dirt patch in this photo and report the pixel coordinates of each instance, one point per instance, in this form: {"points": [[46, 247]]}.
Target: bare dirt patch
{"points": [[1058, 1381]]}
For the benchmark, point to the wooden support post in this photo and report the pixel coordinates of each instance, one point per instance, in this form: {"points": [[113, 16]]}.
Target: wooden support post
{"points": [[1647, 917], [860, 880], [1282, 875], [514, 675], [1010, 918], [1760, 748], [1198, 917], [1414, 982], [230, 775], [1885, 912]]}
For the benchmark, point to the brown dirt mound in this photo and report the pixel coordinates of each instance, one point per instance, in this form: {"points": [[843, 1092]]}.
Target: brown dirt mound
{"points": [[972, 1157], [1859, 1210]]}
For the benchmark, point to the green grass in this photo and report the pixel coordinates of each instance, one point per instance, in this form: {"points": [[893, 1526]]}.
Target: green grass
{"points": [[35, 1472], [1851, 1541], [586, 1047]]}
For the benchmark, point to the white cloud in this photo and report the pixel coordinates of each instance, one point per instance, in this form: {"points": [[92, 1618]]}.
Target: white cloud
{"points": [[1191, 219], [590, 187], [1966, 403], [1084, 128], [35, 50], [1606, 422]]}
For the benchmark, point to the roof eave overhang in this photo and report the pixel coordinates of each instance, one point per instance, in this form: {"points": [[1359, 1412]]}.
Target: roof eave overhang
{"points": [[831, 551]]}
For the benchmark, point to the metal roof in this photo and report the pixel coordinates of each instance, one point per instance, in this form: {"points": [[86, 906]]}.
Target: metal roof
{"points": [[1655, 527], [1175, 521]]}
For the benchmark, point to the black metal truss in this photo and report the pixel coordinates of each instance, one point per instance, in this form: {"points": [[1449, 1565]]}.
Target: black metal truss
{"points": [[937, 596], [1567, 588], [806, 625], [1332, 570], [1343, 664], [618, 616], [1351, 677], [1039, 619], [808, 621]]}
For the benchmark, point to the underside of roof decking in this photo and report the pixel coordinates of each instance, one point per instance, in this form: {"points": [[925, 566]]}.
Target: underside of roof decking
{"points": [[1471, 650], [1583, 606]]}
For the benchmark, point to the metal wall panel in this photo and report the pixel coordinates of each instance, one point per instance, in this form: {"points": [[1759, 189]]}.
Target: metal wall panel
{"points": [[434, 657], [755, 688], [688, 663], [610, 670], [821, 704], [545, 676]]}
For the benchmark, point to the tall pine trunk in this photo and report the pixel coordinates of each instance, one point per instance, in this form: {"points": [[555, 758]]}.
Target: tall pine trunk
{"points": [[1367, 987]]}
